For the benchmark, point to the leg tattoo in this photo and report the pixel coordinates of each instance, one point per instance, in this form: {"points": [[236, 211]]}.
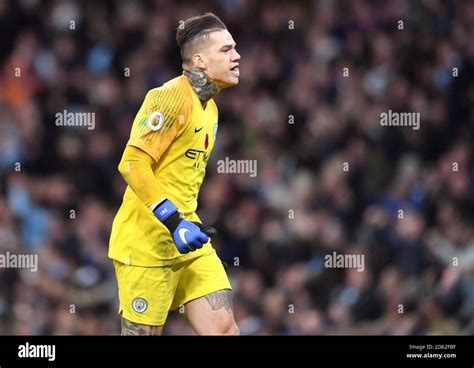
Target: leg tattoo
{"points": [[130, 328], [220, 299]]}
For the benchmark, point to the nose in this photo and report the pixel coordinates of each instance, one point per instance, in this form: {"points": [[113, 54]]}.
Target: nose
{"points": [[235, 56]]}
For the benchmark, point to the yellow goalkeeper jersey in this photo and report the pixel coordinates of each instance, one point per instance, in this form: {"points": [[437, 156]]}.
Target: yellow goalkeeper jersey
{"points": [[172, 127]]}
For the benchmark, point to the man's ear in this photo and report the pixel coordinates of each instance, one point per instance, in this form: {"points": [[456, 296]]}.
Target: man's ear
{"points": [[199, 61]]}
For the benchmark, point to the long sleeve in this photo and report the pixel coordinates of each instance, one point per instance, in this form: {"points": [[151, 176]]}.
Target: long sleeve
{"points": [[135, 168]]}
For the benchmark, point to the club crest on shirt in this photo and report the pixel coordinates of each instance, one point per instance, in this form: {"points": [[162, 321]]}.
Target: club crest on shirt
{"points": [[139, 305], [155, 121]]}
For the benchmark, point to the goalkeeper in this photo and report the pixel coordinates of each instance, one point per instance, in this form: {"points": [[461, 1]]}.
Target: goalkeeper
{"points": [[162, 254]]}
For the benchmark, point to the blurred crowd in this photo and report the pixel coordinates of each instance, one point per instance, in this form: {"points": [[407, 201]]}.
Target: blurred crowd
{"points": [[315, 76]]}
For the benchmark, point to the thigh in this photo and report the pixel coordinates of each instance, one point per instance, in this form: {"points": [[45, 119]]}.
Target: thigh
{"points": [[212, 314], [201, 276], [130, 328], [146, 293], [205, 290]]}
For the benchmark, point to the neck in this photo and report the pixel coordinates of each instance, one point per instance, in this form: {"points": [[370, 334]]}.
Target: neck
{"points": [[202, 84]]}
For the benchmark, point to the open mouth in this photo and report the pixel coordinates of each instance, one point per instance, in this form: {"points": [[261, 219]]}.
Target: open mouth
{"points": [[235, 70]]}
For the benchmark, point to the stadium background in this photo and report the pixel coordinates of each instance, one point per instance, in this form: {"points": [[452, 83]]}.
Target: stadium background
{"points": [[296, 114]]}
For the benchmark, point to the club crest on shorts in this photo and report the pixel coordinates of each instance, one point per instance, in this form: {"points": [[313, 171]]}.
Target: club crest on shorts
{"points": [[155, 121], [139, 305]]}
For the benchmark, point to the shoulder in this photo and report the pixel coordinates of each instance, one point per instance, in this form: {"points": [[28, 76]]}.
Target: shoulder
{"points": [[175, 87], [174, 96]]}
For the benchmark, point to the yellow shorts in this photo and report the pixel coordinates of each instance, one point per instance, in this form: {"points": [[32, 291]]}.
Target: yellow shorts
{"points": [[147, 294]]}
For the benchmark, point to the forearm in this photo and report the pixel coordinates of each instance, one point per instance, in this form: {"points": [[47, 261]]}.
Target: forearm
{"points": [[135, 168]]}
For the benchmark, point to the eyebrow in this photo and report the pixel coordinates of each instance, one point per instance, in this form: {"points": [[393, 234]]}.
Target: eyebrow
{"points": [[228, 46]]}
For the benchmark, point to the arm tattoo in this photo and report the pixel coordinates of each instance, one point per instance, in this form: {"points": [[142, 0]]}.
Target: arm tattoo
{"points": [[202, 84], [130, 328], [220, 299]]}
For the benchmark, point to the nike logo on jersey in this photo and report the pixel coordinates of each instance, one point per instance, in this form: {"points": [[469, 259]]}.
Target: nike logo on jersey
{"points": [[197, 130]]}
